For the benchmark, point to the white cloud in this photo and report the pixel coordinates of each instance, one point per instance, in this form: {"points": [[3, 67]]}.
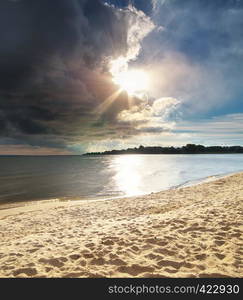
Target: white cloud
{"points": [[151, 118], [138, 27]]}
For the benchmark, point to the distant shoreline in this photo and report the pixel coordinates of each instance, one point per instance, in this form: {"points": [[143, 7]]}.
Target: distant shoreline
{"points": [[105, 154], [188, 149], [102, 154]]}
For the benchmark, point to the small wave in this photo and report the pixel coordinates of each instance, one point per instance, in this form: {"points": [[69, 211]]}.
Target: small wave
{"points": [[204, 179]]}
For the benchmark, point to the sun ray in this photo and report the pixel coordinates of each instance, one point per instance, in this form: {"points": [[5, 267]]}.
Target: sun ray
{"points": [[129, 100], [108, 101]]}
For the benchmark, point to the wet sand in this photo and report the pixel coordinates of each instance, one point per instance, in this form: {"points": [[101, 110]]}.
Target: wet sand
{"points": [[187, 232]]}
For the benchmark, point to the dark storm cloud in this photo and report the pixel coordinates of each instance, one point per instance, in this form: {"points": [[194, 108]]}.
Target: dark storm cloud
{"points": [[33, 31], [53, 68]]}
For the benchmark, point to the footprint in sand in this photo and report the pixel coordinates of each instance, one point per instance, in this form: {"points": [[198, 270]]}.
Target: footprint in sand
{"points": [[74, 256], [170, 263], [225, 228], [5, 268], [146, 247], [108, 242], [135, 269], [174, 264], [201, 256], [90, 245], [113, 256], [156, 241], [168, 270], [238, 263], [135, 248], [55, 262], [48, 269], [98, 261], [236, 234], [32, 250], [219, 256], [117, 262], [82, 263], [219, 242], [16, 254], [153, 256], [100, 253], [164, 251], [180, 221], [88, 255], [26, 271]]}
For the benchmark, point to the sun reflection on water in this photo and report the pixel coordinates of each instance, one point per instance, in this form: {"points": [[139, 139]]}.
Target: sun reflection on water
{"points": [[128, 176]]}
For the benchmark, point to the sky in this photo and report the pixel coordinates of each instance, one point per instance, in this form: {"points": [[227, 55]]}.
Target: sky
{"points": [[61, 61]]}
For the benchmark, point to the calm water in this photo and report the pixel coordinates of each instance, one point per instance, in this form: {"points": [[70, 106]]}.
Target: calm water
{"points": [[32, 178]]}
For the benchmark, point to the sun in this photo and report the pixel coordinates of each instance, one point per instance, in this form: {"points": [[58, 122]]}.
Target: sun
{"points": [[132, 81]]}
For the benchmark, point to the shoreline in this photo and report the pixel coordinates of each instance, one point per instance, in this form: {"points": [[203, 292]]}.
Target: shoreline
{"points": [[191, 231], [61, 201]]}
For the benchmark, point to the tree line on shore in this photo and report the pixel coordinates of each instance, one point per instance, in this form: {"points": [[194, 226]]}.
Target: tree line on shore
{"points": [[188, 149]]}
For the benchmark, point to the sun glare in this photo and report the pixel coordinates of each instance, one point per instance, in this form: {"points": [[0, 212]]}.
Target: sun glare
{"points": [[133, 81]]}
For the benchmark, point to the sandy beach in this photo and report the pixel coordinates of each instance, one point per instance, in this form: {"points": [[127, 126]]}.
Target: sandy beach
{"points": [[187, 232]]}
